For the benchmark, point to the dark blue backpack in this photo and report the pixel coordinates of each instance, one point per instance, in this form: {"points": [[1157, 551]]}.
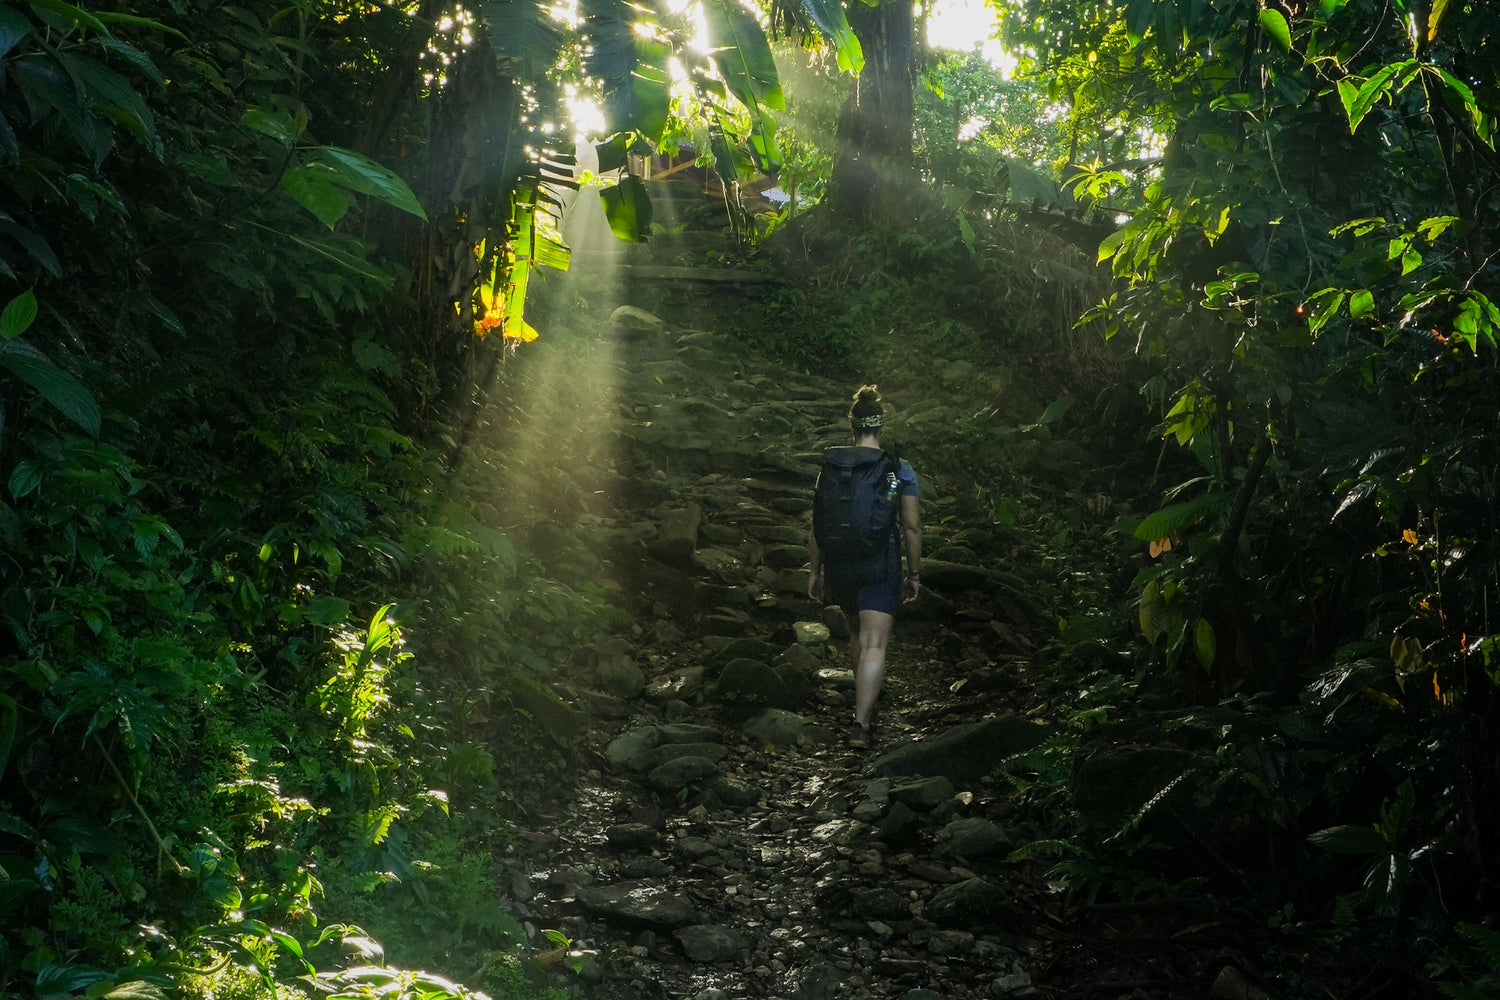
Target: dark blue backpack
{"points": [[856, 502]]}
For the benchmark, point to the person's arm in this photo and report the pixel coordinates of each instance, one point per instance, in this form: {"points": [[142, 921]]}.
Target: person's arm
{"points": [[814, 568], [911, 533]]}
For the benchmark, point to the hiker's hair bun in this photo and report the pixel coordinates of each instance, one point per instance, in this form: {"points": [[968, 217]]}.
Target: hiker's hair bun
{"points": [[866, 404]]}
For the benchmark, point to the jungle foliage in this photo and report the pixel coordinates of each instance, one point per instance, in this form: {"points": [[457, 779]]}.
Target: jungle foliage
{"points": [[1304, 266], [234, 485], [260, 259]]}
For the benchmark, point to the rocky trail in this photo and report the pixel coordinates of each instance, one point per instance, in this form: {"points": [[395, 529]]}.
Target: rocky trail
{"points": [[725, 839]]}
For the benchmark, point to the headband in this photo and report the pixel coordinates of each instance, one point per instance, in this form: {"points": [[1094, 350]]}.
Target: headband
{"points": [[868, 423]]}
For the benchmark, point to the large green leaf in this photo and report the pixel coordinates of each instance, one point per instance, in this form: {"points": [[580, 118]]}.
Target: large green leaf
{"points": [[46, 87], [524, 36], [762, 144], [136, 21], [103, 86], [1359, 104], [360, 173], [632, 68], [52, 383], [13, 28], [1180, 516], [1274, 24], [274, 122], [740, 50], [18, 314], [68, 12], [134, 57], [828, 16], [314, 188], [628, 208]]}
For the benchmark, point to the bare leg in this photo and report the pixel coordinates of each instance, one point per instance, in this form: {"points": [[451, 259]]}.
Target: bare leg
{"points": [[869, 664]]}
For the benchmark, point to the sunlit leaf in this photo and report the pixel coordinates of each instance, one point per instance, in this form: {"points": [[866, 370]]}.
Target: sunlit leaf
{"points": [[1439, 8], [1327, 310], [828, 16], [1362, 304], [627, 205], [739, 49], [1138, 19], [1273, 23], [764, 151], [1372, 90], [136, 990], [612, 154]]}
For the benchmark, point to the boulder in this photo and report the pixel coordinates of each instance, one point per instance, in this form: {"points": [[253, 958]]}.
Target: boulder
{"points": [[899, 827], [677, 535], [679, 773], [672, 751], [638, 905], [973, 837], [630, 835], [745, 648], [971, 901], [710, 943], [619, 675], [779, 727], [964, 754], [629, 749], [880, 902], [786, 556], [923, 794], [750, 684], [735, 794], [678, 685], [811, 633]]}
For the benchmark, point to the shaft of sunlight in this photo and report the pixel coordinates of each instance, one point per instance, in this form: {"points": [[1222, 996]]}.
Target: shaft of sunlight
{"points": [[557, 462], [967, 25]]}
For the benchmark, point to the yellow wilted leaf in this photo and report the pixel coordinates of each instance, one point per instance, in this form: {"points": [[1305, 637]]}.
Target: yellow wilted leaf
{"points": [[1383, 698], [1409, 537], [522, 332]]}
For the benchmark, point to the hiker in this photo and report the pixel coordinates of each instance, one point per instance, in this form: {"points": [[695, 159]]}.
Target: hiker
{"points": [[865, 515]]}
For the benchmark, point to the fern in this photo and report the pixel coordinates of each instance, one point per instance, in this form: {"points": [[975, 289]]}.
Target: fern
{"points": [[1133, 823], [1180, 516]]}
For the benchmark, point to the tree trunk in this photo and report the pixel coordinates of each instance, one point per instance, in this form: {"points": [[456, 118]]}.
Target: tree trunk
{"points": [[873, 175]]}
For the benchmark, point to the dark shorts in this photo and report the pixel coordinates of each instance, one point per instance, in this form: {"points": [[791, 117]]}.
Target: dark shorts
{"points": [[872, 584]]}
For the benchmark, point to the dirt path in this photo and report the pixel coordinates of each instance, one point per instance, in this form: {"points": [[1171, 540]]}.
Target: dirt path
{"points": [[727, 840]]}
